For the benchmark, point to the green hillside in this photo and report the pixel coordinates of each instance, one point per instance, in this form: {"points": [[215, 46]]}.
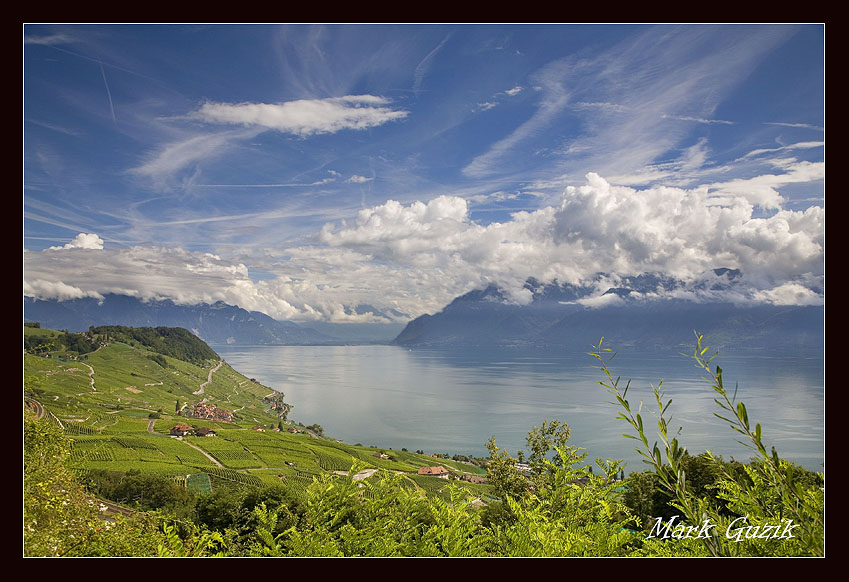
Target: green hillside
{"points": [[175, 342], [119, 402]]}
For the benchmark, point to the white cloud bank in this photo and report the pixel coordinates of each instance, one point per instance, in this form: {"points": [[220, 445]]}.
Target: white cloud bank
{"points": [[415, 258], [304, 117], [596, 228]]}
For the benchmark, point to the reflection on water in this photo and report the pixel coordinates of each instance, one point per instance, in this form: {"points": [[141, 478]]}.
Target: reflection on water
{"points": [[453, 400]]}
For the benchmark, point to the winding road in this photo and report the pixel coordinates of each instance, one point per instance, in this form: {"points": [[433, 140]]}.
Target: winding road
{"points": [[209, 378], [91, 376]]}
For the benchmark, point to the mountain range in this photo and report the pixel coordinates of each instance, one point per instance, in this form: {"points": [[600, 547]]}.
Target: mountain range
{"points": [[559, 315], [628, 313], [218, 323]]}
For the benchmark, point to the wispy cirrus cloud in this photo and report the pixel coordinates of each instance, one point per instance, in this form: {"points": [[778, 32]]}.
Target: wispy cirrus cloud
{"points": [[555, 96], [497, 98], [619, 98], [698, 119], [802, 125], [615, 107], [793, 146], [486, 106], [49, 39], [425, 65], [171, 158]]}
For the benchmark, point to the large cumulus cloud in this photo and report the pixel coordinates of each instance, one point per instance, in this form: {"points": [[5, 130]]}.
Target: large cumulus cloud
{"points": [[596, 228]]}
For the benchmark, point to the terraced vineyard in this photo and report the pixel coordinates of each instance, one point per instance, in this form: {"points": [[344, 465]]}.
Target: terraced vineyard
{"points": [[122, 422]]}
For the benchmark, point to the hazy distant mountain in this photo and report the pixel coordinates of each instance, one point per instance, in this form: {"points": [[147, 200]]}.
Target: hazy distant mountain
{"points": [[217, 323], [358, 333], [554, 317]]}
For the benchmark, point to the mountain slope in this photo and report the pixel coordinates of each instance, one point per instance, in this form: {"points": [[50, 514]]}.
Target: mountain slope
{"points": [[555, 317], [216, 323]]}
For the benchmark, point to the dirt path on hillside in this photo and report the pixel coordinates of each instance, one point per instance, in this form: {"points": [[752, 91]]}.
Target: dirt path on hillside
{"points": [[209, 378], [205, 454], [91, 377]]}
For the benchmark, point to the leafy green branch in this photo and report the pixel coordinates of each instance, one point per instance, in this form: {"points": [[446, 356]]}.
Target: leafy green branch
{"points": [[795, 498], [672, 474], [765, 491]]}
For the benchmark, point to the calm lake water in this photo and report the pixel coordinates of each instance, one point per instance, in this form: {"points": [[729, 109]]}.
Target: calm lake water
{"points": [[454, 400]]}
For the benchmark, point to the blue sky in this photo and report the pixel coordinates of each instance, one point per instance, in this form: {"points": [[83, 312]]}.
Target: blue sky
{"points": [[302, 170]]}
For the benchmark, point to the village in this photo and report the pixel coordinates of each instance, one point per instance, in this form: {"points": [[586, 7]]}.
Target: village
{"points": [[205, 411], [208, 412]]}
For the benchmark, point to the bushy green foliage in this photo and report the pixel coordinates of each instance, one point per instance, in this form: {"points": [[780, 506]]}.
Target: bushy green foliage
{"points": [[175, 342], [375, 517], [159, 359], [39, 341], [80, 343], [752, 507], [557, 506]]}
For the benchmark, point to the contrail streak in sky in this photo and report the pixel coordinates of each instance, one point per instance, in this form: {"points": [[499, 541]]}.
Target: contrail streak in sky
{"points": [[108, 93]]}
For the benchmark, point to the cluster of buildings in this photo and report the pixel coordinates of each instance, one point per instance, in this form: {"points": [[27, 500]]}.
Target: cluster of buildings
{"points": [[209, 412], [183, 429], [443, 473], [291, 429], [276, 403]]}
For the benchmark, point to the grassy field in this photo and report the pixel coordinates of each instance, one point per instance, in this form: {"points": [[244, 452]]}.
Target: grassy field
{"points": [[118, 405]]}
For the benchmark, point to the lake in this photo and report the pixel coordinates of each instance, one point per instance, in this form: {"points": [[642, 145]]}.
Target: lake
{"points": [[453, 400]]}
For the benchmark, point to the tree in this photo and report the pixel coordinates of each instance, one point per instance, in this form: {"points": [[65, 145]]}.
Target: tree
{"points": [[152, 491], [546, 444]]}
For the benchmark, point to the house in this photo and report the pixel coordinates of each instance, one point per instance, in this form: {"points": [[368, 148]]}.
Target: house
{"points": [[439, 471], [181, 430], [205, 432], [474, 479], [259, 428], [381, 455]]}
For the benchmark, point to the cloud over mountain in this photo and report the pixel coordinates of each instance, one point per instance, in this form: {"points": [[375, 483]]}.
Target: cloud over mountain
{"points": [[596, 228], [416, 257]]}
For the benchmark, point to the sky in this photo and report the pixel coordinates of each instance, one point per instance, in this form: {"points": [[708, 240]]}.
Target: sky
{"points": [[303, 170]]}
